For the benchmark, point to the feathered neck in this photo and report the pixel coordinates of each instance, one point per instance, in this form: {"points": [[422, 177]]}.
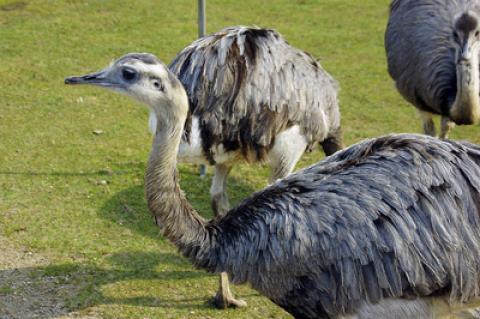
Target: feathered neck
{"points": [[179, 221], [466, 107]]}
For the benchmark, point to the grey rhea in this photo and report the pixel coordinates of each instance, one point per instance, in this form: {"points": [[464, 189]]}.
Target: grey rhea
{"points": [[253, 98], [387, 228], [433, 55]]}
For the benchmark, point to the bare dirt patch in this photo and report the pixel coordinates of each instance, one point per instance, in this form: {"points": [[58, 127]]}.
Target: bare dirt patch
{"points": [[24, 292]]}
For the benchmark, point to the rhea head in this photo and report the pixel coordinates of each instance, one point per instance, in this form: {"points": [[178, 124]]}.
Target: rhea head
{"points": [[144, 77], [466, 33]]}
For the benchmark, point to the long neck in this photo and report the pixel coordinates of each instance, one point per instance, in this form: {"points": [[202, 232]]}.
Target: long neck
{"points": [[466, 108], [179, 221]]}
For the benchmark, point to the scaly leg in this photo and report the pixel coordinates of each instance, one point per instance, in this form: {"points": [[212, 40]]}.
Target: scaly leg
{"points": [[224, 297], [218, 190], [428, 125], [446, 126], [220, 205]]}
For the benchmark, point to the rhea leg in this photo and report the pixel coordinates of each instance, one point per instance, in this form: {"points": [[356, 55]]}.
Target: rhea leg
{"points": [[428, 125], [218, 190], [224, 297], [220, 205], [446, 126]]}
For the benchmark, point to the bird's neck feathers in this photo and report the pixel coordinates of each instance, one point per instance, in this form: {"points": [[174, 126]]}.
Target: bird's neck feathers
{"points": [[466, 107], [179, 221]]}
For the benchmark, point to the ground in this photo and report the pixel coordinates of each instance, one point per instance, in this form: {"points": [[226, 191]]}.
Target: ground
{"points": [[26, 295], [76, 238]]}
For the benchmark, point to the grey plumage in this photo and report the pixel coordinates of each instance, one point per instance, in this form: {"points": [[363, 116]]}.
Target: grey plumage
{"points": [[393, 217], [247, 85], [372, 231], [396, 216], [423, 54]]}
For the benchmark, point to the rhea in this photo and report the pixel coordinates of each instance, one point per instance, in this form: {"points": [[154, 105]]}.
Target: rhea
{"points": [[387, 228], [252, 98], [255, 98], [433, 56]]}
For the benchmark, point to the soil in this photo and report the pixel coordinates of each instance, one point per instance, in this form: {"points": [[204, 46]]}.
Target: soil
{"points": [[24, 294]]}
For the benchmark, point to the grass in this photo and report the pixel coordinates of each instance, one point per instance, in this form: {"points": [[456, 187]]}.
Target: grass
{"points": [[77, 197]]}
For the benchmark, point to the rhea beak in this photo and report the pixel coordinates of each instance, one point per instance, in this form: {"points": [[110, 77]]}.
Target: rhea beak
{"points": [[98, 78], [466, 52]]}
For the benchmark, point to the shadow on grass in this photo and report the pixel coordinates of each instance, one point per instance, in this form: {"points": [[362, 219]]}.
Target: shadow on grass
{"points": [[55, 290], [129, 209]]}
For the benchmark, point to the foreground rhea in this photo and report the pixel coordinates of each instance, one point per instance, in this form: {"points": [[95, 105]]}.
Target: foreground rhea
{"points": [[433, 56], [388, 228]]}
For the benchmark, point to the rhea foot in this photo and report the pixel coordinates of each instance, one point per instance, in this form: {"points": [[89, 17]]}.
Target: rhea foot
{"points": [[224, 297]]}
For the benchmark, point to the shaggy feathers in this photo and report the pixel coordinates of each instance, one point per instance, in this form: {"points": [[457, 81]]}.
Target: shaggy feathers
{"points": [[396, 216], [421, 50], [248, 84]]}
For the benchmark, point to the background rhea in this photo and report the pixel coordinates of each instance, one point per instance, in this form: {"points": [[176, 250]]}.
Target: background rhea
{"points": [[433, 56]]}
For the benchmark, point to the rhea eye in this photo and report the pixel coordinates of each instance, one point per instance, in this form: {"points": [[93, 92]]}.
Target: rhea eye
{"points": [[128, 74], [477, 33], [158, 85]]}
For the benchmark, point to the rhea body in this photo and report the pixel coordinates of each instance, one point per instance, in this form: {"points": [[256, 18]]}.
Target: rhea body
{"points": [[433, 55], [387, 228], [253, 98]]}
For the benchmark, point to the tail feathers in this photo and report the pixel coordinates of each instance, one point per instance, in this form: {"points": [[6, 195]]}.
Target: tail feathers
{"points": [[333, 142]]}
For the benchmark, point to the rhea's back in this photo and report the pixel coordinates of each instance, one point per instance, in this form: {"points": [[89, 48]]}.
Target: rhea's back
{"points": [[396, 216], [421, 50], [248, 84]]}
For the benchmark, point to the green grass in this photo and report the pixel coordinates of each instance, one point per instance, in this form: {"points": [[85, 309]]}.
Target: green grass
{"points": [[100, 238]]}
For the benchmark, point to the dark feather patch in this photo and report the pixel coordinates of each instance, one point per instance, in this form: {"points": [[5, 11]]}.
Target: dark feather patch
{"points": [[466, 23]]}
